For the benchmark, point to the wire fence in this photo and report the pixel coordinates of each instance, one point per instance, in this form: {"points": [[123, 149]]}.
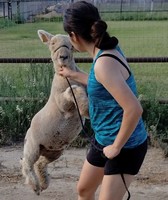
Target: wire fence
{"points": [[28, 10]]}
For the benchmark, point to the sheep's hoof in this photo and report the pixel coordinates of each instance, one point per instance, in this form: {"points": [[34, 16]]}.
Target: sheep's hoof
{"points": [[44, 187], [45, 184], [37, 192], [35, 188]]}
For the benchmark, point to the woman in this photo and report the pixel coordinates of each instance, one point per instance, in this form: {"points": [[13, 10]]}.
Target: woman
{"points": [[115, 112]]}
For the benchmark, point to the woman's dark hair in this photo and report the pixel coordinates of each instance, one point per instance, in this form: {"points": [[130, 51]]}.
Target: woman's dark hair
{"points": [[83, 19]]}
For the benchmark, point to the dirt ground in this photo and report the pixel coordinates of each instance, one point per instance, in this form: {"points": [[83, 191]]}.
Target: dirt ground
{"points": [[151, 183]]}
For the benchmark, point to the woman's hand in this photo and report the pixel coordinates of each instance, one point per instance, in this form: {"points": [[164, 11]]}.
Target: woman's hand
{"points": [[65, 72], [111, 151], [78, 76]]}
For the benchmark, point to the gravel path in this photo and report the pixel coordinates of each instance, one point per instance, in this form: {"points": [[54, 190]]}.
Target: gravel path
{"points": [[151, 183]]}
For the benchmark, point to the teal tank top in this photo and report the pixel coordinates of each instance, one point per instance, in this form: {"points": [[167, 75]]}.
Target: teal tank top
{"points": [[106, 114]]}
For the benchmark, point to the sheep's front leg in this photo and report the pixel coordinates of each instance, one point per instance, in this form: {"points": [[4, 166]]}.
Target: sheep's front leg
{"points": [[81, 99], [41, 165], [65, 104], [31, 155]]}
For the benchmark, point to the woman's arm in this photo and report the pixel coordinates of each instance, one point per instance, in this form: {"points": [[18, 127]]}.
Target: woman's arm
{"points": [[78, 76], [110, 74]]}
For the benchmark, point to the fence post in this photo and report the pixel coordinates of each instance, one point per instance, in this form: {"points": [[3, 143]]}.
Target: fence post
{"points": [[3, 5], [9, 9], [121, 6], [18, 16], [151, 6]]}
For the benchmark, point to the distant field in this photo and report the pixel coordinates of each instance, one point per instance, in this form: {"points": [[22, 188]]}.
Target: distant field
{"points": [[137, 38]]}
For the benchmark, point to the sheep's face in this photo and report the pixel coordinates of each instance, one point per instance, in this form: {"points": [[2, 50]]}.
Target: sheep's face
{"points": [[61, 50], [60, 47]]}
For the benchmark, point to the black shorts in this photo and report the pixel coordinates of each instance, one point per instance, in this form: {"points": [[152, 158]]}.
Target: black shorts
{"points": [[128, 161]]}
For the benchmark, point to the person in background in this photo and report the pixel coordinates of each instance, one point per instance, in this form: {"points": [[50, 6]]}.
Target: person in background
{"points": [[120, 138]]}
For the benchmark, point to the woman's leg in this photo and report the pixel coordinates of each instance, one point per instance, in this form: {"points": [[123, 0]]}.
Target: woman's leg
{"points": [[113, 187], [90, 178]]}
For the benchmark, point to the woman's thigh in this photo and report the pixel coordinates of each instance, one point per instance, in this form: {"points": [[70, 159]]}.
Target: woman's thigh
{"points": [[113, 187], [90, 178]]}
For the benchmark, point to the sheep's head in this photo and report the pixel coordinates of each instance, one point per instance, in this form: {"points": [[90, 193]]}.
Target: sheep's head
{"points": [[60, 47]]}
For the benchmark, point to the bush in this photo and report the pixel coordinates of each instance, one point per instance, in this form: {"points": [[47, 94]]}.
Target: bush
{"points": [[155, 116], [6, 23], [15, 118], [22, 100], [134, 16], [33, 91]]}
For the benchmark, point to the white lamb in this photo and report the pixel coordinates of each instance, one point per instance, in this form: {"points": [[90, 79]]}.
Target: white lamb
{"points": [[57, 124]]}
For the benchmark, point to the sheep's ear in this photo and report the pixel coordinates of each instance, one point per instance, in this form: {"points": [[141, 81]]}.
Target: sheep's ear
{"points": [[44, 36]]}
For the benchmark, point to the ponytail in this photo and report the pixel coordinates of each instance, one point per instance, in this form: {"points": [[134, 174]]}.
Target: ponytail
{"points": [[101, 37]]}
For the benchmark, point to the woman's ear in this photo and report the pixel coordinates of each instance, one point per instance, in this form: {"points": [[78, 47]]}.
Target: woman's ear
{"points": [[73, 37]]}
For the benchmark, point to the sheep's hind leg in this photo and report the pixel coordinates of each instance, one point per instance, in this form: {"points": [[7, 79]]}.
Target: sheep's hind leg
{"points": [[31, 155], [40, 166]]}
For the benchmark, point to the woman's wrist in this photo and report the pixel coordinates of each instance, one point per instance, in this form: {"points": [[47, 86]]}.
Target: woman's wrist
{"points": [[117, 145], [73, 75]]}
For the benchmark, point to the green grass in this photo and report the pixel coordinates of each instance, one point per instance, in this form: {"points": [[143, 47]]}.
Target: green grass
{"points": [[137, 38], [152, 80], [22, 40], [141, 38]]}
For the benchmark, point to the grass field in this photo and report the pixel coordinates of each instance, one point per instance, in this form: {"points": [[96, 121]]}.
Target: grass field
{"points": [[137, 38]]}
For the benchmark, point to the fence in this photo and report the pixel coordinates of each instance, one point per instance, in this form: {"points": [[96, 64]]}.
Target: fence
{"points": [[26, 10], [153, 61]]}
